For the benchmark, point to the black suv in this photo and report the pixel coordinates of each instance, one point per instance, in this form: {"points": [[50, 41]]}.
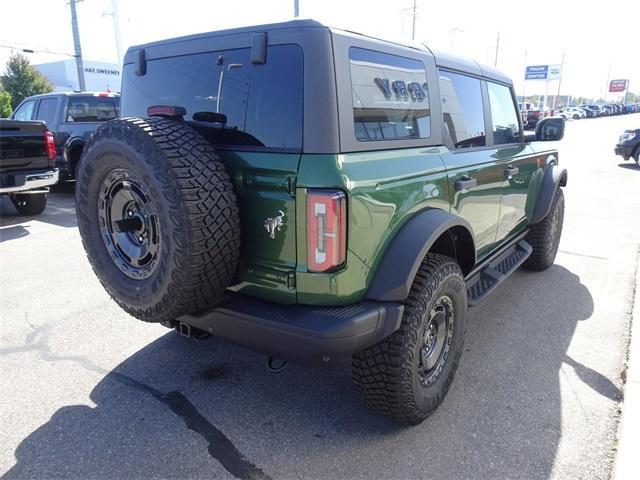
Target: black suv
{"points": [[629, 145], [72, 117]]}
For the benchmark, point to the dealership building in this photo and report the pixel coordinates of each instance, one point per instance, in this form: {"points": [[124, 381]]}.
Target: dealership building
{"points": [[98, 76]]}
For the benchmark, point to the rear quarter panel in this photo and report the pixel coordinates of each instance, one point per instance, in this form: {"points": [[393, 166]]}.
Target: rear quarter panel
{"points": [[385, 188]]}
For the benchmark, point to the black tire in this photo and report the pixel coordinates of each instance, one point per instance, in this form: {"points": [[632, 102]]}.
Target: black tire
{"points": [[544, 236], [636, 156], [29, 203], [180, 198], [576, 116], [387, 375]]}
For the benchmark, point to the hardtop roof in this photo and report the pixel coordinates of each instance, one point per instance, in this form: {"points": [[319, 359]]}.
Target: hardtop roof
{"points": [[443, 59]]}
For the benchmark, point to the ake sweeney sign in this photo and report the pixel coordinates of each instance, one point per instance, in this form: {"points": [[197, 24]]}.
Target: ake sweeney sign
{"points": [[542, 72]]}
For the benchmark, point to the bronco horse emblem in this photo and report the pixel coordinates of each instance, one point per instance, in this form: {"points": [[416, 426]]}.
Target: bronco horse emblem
{"points": [[275, 223]]}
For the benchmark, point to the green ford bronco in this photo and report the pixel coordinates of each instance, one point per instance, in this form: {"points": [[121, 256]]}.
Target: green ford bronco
{"points": [[312, 193]]}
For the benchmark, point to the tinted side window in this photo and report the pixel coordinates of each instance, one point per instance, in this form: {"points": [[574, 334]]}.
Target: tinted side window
{"points": [[25, 112], [462, 110], [506, 128], [390, 99], [92, 109], [47, 110], [262, 102]]}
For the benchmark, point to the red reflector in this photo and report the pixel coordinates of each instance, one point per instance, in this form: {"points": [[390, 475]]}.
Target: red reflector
{"points": [[50, 145], [165, 111], [326, 230]]}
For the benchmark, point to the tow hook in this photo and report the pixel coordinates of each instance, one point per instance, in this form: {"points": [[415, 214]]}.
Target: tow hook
{"points": [[276, 365]]}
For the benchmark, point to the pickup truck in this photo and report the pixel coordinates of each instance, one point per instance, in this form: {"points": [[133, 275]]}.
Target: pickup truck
{"points": [[72, 117], [27, 164]]}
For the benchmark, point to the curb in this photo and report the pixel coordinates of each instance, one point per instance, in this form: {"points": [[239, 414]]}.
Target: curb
{"points": [[627, 462]]}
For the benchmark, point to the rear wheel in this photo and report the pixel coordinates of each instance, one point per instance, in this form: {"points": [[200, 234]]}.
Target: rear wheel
{"points": [[544, 237], [636, 156], [158, 217], [29, 203], [407, 375], [576, 116]]}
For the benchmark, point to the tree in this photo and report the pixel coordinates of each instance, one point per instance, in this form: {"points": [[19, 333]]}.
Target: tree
{"points": [[22, 79], [5, 104]]}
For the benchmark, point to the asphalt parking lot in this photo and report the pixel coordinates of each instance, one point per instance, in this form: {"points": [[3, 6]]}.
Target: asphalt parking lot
{"points": [[89, 392]]}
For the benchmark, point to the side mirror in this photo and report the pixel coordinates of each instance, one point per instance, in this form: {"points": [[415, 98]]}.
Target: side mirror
{"points": [[550, 129]]}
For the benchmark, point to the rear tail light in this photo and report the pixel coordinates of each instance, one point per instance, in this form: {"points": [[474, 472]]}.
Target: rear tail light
{"points": [[50, 146], [326, 230]]}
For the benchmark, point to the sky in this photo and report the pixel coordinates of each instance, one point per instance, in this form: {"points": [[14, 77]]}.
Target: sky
{"points": [[599, 40]]}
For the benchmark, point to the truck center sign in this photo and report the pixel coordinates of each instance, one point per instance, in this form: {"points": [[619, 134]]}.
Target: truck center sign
{"points": [[543, 72]]}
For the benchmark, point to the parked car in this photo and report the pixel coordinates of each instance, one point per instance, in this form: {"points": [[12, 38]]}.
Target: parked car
{"points": [[295, 208], [72, 117], [600, 111], [629, 145], [532, 117], [27, 164], [590, 111], [572, 112]]}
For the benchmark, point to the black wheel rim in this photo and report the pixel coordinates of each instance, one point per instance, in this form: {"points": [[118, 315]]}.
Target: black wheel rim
{"points": [[554, 229], [129, 224], [436, 340]]}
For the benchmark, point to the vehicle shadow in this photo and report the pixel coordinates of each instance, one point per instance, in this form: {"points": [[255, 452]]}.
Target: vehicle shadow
{"points": [[629, 166], [181, 408], [60, 211]]}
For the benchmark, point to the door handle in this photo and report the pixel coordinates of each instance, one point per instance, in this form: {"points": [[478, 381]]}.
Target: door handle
{"points": [[511, 171], [465, 183]]}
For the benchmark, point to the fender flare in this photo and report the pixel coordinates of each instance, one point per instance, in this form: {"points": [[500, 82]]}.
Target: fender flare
{"points": [[402, 258], [554, 177], [72, 143]]}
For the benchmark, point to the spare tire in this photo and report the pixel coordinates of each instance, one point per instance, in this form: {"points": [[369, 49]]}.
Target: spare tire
{"points": [[157, 216]]}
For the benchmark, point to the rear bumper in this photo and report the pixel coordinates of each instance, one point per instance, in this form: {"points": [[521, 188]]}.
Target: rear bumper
{"points": [[302, 334], [29, 180]]}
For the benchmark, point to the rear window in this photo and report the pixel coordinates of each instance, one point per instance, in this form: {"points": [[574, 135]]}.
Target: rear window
{"points": [[262, 102], [92, 109], [390, 96]]}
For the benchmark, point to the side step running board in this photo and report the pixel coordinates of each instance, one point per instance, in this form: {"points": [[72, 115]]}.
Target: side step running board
{"points": [[483, 282]]}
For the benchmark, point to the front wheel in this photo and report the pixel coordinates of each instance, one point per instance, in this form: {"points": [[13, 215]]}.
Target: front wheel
{"points": [[407, 375], [29, 203], [576, 117], [544, 237]]}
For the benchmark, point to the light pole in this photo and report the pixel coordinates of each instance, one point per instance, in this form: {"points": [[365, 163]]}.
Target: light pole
{"points": [[296, 8], [413, 30], [453, 32]]}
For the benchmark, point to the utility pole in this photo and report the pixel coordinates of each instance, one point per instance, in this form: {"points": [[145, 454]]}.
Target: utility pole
{"points": [[116, 29], [606, 88], [413, 31], [560, 79], [624, 102], [76, 43], [524, 82], [296, 8], [495, 64]]}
